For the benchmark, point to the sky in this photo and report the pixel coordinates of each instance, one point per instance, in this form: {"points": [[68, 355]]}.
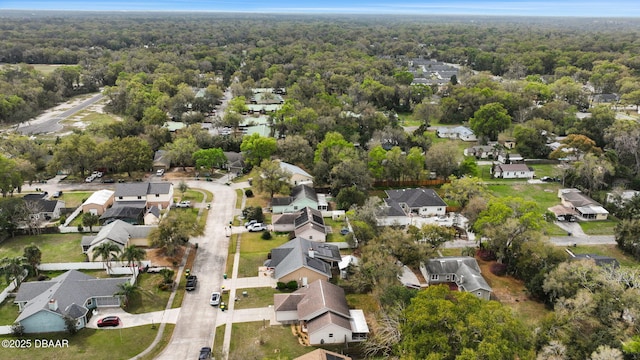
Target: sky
{"points": [[576, 8]]}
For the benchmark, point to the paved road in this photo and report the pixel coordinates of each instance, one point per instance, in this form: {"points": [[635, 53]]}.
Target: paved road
{"points": [[196, 323], [49, 121]]}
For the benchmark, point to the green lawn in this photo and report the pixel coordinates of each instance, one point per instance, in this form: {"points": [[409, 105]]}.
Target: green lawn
{"points": [[253, 243], [164, 341], [606, 227], [102, 344], [607, 250], [150, 297], [249, 264], [8, 312], [256, 297], [75, 198], [218, 340], [54, 247], [545, 195], [253, 340]]}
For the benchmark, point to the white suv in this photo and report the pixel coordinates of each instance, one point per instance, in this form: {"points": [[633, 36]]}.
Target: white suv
{"points": [[160, 172]]}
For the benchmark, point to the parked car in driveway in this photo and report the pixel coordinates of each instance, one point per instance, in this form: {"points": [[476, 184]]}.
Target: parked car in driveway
{"points": [[205, 353], [159, 172], [215, 299], [56, 194], [257, 227], [192, 282], [250, 223], [184, 204], [109, 321]]}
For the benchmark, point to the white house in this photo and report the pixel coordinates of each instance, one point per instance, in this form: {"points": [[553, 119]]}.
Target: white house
{"points": [[98, 202], [620, 197], [459, 132], [298, 175], [158, 194], [512, 171]]}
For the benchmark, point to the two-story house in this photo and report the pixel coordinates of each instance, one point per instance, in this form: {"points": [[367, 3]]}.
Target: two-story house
{"points": [[401, 205]]}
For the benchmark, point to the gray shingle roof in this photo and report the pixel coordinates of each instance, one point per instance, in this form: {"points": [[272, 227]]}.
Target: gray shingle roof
{"points": [[415, 198], [296, 254], [142, 189], [321, 297], [470, 280], [118, 232], [450, 264], [69, 289]]}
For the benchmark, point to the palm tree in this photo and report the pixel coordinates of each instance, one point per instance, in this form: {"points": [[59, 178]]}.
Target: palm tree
{"points": [[13, 268], [127, 290], [132, 254], [33, 255], [107, 250], [90, 220]]}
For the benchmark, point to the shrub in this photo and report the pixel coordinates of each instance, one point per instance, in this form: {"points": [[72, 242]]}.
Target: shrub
{"points": [[498, 269], [248, 193], [280, 285], [266, 235], [486, 255], [17, 329], [292, 285]]}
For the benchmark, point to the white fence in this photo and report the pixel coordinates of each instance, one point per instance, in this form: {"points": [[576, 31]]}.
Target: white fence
{"points": [[117, 267], [12, 286]]}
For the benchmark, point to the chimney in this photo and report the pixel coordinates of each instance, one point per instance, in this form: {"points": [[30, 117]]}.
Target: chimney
{"points": [[53, 305], [311, 253]]}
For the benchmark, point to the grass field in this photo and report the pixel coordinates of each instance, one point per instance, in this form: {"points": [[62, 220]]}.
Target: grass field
{"points": [[95, 344], [254, 341], [150, 297], [74, 199], [256, 297], [54, 247]]}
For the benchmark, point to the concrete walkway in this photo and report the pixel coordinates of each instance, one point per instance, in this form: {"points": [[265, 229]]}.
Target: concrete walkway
{"points": [[169, 316]]}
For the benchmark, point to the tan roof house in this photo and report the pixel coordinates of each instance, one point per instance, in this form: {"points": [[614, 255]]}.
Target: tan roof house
{"points": [[118, 232], [322, 311], [98, 202]]}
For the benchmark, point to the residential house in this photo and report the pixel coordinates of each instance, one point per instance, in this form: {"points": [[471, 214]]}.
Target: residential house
{"points": [[322, 311], [512, 171], [174, 126], [508, 158], [459, 132], [152, 217], [298, 175], [158, 194], [431, 72], [307, 223], [161, 160], [605, 98], [131, 212], [45, 304], [619, 197], [303, 261], [42, 209], [322, 354], [483, 151], [401, 205], [266, 98], [301, 196], [98, 202], [584, 206], [235, 162], [460, 271], [599, 260], [118, 232]]}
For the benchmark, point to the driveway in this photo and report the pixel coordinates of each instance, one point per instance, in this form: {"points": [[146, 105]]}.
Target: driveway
{"points": [[133, 320]]}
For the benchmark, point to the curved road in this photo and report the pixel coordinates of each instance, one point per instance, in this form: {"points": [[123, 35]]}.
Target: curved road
{"points": [[49, 121]]}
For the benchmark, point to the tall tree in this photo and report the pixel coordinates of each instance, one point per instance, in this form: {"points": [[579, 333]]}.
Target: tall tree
{"points": [[127, 290], [488, 121], [76, 152], [90, 220], [181, 151], [443, 158], [256, 148], [270, 177], [174, 231], [10, 176], [444, 324], [132, 254], [12, 268], [209, 158], [33, 256], [508, 223], [106, 251]]}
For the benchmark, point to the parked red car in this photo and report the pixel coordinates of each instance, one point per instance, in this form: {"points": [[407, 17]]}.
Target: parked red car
{"points": [[109, 321]]}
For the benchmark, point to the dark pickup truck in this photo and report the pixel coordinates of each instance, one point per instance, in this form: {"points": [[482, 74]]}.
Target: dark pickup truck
{"points": [[192, 281]]}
